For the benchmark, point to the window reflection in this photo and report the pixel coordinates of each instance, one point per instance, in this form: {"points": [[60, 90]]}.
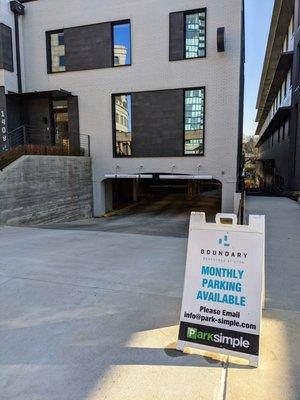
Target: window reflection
{"points": [[194, 122], [195, 25], [121, 44], [57, 44], [61, 122], [123, 139]]}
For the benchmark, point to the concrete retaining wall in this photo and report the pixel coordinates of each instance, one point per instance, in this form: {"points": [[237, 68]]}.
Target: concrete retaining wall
{"points": [[41, 189]]}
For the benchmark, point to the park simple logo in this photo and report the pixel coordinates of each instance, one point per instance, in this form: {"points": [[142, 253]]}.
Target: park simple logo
{"points": [[228, 342]]}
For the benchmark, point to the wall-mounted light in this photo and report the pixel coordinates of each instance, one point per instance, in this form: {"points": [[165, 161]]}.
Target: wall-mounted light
{"points": [[221, 39], [17, 8]]}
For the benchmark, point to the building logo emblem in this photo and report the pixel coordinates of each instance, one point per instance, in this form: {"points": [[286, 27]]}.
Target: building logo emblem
{"points": [[224, 241]]}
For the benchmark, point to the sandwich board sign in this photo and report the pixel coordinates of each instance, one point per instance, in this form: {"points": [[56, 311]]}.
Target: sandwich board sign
{"points": [[224, 286]]}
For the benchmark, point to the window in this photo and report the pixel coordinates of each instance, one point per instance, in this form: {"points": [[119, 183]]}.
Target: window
{"points": [[280, 96], [60, 104], [95, 46], [61, 122], [282, 132], [121, 44], [57, 51], [61, 39], [287, 128], [62, 61], [289, 78], [122, 124], [194, 122], [285, 86], [195, 34]]}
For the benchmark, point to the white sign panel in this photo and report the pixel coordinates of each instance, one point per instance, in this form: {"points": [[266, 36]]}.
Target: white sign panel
{"points": [[223, 288]]}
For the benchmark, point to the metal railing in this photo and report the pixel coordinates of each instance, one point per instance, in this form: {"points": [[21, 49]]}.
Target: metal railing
{"points": [[32, 141], [85, 144]]}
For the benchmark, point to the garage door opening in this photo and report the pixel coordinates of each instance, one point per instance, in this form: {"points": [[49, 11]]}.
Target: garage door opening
{"points": [[166, 195]]}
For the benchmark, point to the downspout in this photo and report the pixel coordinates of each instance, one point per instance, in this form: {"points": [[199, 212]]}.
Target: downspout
{"points": [[18, 9]]}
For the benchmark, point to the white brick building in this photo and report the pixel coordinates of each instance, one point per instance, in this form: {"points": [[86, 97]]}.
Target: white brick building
{"points": [[159, 46]]}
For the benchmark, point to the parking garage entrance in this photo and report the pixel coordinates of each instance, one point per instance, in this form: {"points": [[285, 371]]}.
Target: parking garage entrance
{"points": [[166, 195]]}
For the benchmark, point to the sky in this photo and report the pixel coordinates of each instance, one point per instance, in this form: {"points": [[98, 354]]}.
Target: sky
{"points": [[258, 15], [122, 37]]}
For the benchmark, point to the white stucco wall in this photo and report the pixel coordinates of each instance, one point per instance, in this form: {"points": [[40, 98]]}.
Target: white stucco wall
{"points": [[150, 70]]}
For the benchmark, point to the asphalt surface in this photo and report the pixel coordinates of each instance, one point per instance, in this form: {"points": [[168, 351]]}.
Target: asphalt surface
{"points": [[166, 216]]}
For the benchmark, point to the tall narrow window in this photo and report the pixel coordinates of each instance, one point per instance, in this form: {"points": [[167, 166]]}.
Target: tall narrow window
{"points": [[285, 86], [195, 26], [194, 122], [287, 128], [121, 44], [122, 121], [57, 50], [61, 122]]}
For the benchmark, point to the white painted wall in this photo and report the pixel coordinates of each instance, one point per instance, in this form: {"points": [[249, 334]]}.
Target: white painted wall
{"points": [[7, 78], [150, 70]]}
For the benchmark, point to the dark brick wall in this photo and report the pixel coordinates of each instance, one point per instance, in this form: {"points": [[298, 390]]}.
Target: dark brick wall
{"points": [[88, 47], [176, 36], [157, 123], [6, 50]]}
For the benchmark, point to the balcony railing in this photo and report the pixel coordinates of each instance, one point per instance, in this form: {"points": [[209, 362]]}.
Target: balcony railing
{"points": [[286, 102], [27, 140]]}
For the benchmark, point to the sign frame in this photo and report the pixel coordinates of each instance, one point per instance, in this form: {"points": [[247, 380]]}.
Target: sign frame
{"points": [[198, 223]]}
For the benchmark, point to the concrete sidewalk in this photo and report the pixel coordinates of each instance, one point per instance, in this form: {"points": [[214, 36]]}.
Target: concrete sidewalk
{"points": [[279, 372], [93, 315]]}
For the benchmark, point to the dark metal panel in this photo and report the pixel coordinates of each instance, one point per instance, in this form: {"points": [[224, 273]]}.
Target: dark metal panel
{"points": [[74, 136], [6, 49], [176, 36], [88, 47], [13, 112], [157, 123], [37, 116], [3, 121]]}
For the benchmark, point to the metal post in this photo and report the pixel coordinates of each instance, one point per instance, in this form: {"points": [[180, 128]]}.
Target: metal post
{"points": [[24, 135], [89, 146]]}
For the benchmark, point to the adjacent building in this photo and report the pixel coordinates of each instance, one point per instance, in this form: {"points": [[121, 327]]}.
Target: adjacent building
{"points": [[278, 102], [158, 87]]}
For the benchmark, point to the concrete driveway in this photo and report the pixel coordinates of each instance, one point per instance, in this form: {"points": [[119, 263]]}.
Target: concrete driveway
{"points": [[90, 314], [165, 216], [93, 315]]}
